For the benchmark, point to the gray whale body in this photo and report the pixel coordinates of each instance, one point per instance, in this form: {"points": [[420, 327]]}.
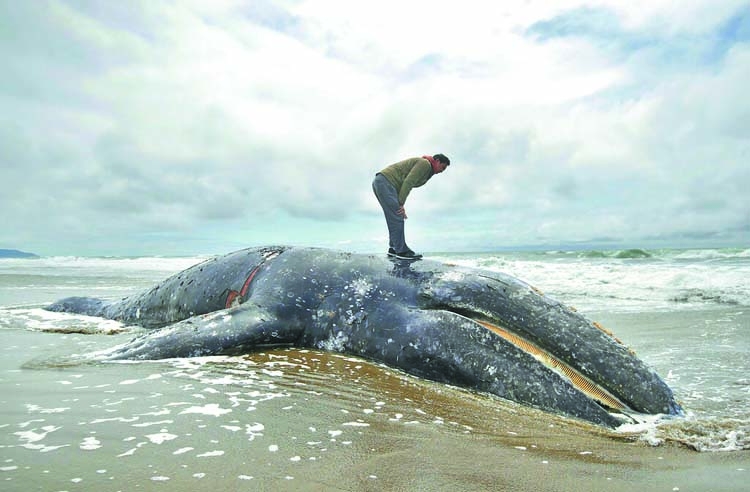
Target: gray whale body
{"points": [[476, 329]]}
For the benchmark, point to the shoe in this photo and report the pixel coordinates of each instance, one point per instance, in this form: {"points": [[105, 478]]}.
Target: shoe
{"points": [[391, 252], [407, 255]]}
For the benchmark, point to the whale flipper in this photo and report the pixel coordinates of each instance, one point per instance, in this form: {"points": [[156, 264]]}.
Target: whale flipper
{"points": [[227, 332]]}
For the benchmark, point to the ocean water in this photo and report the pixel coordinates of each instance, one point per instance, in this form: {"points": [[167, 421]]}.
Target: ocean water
{"points": [[310, 420]]}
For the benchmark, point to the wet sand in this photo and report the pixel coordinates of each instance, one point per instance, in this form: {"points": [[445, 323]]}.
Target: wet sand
{"points": [[547, 463], [485, 464], [302, 420]]}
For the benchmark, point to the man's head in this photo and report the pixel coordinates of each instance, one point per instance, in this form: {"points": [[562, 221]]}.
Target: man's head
{"points": [[443, 162]]}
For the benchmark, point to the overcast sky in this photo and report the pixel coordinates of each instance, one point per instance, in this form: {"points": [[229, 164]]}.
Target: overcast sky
{"points": [[200, 127]]}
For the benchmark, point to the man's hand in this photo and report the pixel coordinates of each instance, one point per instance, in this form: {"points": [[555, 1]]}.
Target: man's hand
{"points": [[402, 212]]}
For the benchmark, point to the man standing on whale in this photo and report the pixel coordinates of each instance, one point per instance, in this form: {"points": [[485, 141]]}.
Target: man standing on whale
{"points": [[392, 185]]}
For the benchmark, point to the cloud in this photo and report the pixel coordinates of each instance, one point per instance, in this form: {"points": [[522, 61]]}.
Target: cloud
{"points": [[169, 128]]}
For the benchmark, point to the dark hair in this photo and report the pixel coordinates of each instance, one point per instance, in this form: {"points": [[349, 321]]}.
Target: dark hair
{"points": [[442, 158]]}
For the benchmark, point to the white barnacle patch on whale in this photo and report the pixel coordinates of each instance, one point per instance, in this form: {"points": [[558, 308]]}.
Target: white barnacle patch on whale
{"points": [[335, 343], [361, 286], [354, 317]]}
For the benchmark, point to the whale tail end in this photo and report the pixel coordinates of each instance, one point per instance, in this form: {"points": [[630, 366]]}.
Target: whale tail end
{"points": [[89, 306]]}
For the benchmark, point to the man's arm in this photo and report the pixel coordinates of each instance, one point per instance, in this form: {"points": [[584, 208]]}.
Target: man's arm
{"points": [[418, 176]]}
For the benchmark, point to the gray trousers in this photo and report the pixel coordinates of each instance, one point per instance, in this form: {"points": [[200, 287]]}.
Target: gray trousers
{"points": [[388, 198]]}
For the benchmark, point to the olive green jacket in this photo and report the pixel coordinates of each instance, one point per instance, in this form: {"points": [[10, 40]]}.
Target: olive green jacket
{"points": [[408, 174]]}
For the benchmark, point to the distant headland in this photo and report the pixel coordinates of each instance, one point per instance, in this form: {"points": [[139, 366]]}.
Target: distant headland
{"points": [[14, 253]]}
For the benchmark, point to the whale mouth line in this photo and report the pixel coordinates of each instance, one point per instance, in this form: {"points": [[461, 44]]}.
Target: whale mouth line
{"points": [[594, 391]]}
